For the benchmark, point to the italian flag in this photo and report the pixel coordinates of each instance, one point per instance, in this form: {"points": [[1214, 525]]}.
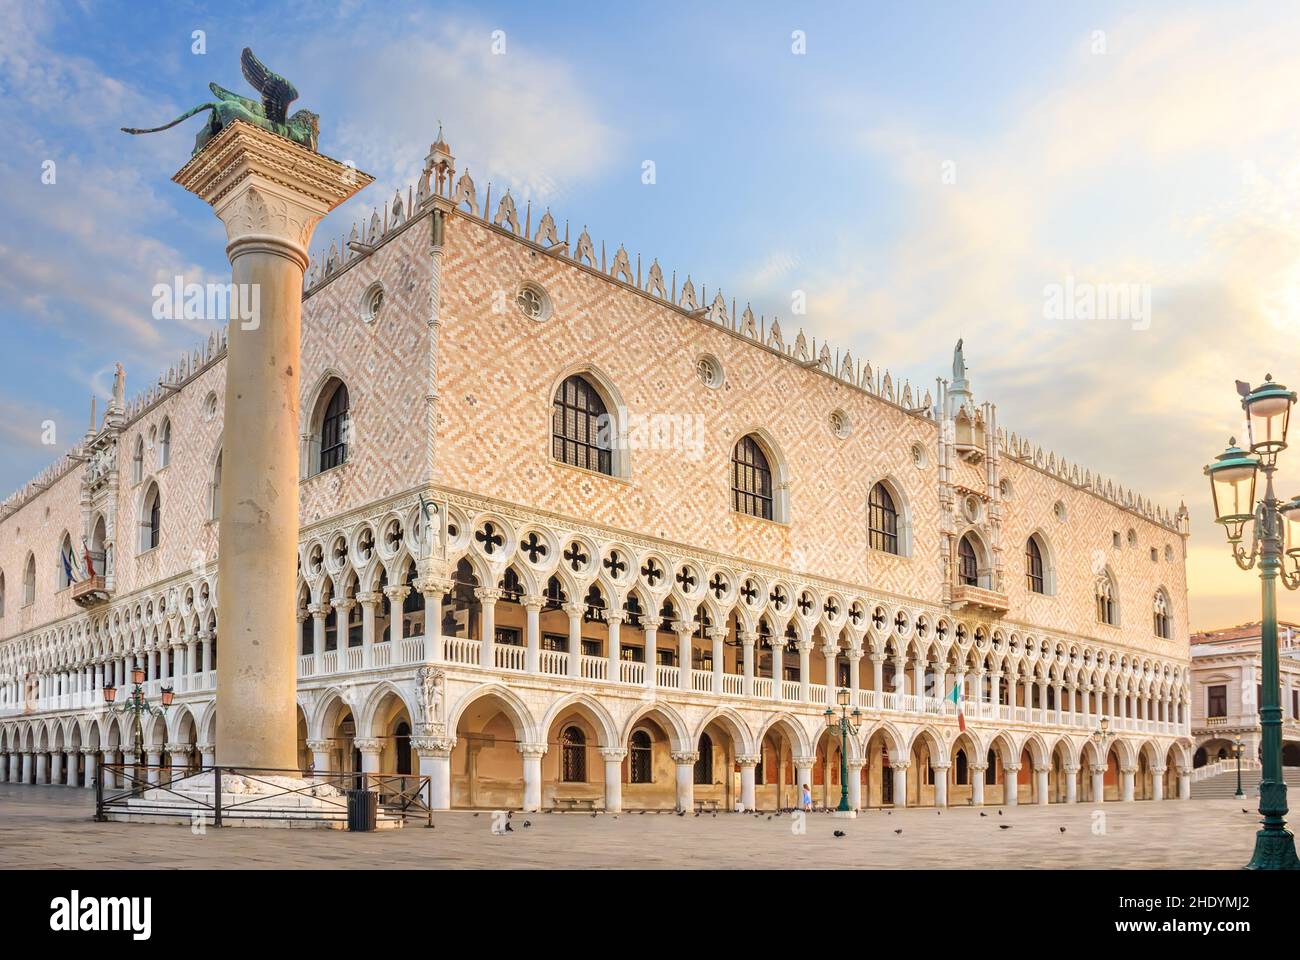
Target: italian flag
{"points": [[955, 697]]}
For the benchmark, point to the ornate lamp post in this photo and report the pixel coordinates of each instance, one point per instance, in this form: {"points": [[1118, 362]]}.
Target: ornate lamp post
{"points": [[1232, 485], [138, 707], [846, 723], [1236, 750]]}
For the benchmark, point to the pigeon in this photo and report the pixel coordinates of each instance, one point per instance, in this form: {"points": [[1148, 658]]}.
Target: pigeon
{"points": [[509, 829], [715, 816], [1063, 829], [1004, 826], [697, 813], [1244, 810], [999, 813], [983, 814], [939, 812], [840, 833], [769, 816], [509, 814], [643, 813], [593, 813], [899, 830], [681, 813], [476, 814], [528, 823]]}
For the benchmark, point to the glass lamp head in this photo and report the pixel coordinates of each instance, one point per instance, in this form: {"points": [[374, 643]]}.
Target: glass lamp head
{"points": [[842, 696], [137, 675], [1268, 413], [110, 693], [1232, 485]]}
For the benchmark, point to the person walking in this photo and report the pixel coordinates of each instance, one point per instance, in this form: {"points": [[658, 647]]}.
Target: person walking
{"points": [[807, 799]]}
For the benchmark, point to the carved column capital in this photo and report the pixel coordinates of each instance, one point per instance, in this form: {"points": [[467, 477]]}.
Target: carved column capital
{"points": [[318, 746], [682, 759], [613, 754]]}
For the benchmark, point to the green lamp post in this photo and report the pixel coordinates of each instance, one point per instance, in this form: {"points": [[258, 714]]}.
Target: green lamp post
{"points": [[1232, 485], [1236, 750], [845, 724], [137, 706]]}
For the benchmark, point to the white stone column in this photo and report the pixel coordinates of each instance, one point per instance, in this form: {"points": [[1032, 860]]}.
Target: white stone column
{"points": [[435, 763], [41, 767], [74, 778], [803, 774], [613, 757], [829, 653], [1184, 785], [716, 635], [684, 628], [855, 680], [320, 756], [207, 755], [747, 640], [56, 767], [318, 616], [1126, 783], [178, 759], [747, 764], [940, 784], [433, 592], [574, 611], [153, 760], [855, 783], [1040, 785], [487, 625], [92, 759], [651, 627], [614, 670], [878, 673], [371, 748], [685, 779], [532, 754], [533, 633], [977, 775], [900, 782], [1098, 784], [778, 667], [1071, 784], [1157, 783], [1011, 784], [270, 193], [368, 603]]}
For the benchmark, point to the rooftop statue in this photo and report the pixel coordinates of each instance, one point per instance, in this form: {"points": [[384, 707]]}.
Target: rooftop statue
{"points": [[958, 363], [271, 114]]}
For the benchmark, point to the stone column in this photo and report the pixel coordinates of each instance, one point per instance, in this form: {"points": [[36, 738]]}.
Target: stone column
{"points": [[1071, 784], [685, 629], [532, 754], [1040, 785], [650, 627], [614, 671], [805, 655], [716, 636], [685, 779], [1098, 784], [855, 682], [855, 783], [977, 784], [318, 615], [433, 592], [371, 748], [747, 763], [153, 761], [208, 755], [533, 633], [1184, 784], [487, 614], [829, 653], [1126, 783], [74, 778], [178, 756], [41, 766], [1011, 784], [803, 774], [613, 757], [435, 763], [368, 602], [878, 673], [56, 768], [940, 784], [320, 755], [778, 667], [270, 193], [574, 611], [1157, 783], [747, 641], [92, 757], [900, 782]]}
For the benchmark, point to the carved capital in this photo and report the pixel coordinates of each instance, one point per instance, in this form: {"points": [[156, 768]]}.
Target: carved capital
{"points": [[748, 759], [533, 750], [613, 754], [433, 746], [369, 745], [684, 758], [318, 746]]}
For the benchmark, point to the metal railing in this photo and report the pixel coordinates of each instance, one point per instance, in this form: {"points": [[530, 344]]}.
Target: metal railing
{"points": [[158, 791]]}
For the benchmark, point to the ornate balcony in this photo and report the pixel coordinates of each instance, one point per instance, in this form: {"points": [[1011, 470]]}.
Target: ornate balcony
{"points": [[964, 595], [90, 592]]}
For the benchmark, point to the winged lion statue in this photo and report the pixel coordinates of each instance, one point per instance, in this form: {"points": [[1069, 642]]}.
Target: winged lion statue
{"points": [[272, 113]]}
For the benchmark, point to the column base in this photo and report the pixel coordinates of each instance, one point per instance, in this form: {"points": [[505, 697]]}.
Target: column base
{"points": [[1274, 850]]}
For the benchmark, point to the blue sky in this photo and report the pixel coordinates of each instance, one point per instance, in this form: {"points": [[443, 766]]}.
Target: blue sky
{"points": [[1155, 145]]}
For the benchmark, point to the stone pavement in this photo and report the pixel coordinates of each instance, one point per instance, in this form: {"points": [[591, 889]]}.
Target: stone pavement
{"points": [[51, 827]]}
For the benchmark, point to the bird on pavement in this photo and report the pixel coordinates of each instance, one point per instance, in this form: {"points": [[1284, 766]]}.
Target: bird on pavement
{"points": [[983, 814], [899, 830], [1063, 829], [1004, 826], [839, 833], [528, 823]]}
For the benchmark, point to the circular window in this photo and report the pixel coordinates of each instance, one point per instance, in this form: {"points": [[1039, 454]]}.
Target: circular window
{"points": [[372, 302], [839, 423], [1058, 510], [1132, 537], [709, 371], [532, 301], [210, 406], [972, 508], [919, 457]]}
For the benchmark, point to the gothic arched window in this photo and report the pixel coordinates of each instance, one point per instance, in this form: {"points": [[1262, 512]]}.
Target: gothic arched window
{"points": [[574, 755], [214, 506], [704, 765], [991, 770], [1161, 615], [882, 518], [580, 427], [151, 519], [165, 444], [137, 461], [1034, 566], [751, 479], [968, 568], [29, 580], [641, 766], [1106, 610], [333, 429], [962, 772]]}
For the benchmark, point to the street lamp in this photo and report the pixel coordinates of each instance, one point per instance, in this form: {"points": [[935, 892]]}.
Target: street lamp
{"points": [[136, 705], [846, 723], [1232, 484], [1236, 749]]}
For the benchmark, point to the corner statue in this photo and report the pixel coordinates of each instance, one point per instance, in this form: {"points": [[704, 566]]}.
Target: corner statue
{"points": [[271, 114], [958, 364]]}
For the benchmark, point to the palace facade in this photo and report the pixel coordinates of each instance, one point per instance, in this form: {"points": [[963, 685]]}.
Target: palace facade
{"points": [[575, 532]]}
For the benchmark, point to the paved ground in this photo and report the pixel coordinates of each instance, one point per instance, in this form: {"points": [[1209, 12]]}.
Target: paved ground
{"points": [[50, 827]]}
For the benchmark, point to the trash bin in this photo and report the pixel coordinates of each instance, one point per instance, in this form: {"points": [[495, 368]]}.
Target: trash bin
{"points": [[363, 809]]}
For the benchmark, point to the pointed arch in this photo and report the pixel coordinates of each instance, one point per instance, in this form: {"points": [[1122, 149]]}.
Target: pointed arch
{"points": [[668, 718], [512, 705], [606, 727], [759, 476], [589, 422]]}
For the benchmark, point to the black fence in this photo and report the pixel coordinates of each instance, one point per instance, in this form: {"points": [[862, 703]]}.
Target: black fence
{"points": [[156, 791]]}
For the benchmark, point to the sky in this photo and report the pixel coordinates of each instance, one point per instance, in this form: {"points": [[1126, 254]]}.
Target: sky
{"points": [[919, 172]]}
